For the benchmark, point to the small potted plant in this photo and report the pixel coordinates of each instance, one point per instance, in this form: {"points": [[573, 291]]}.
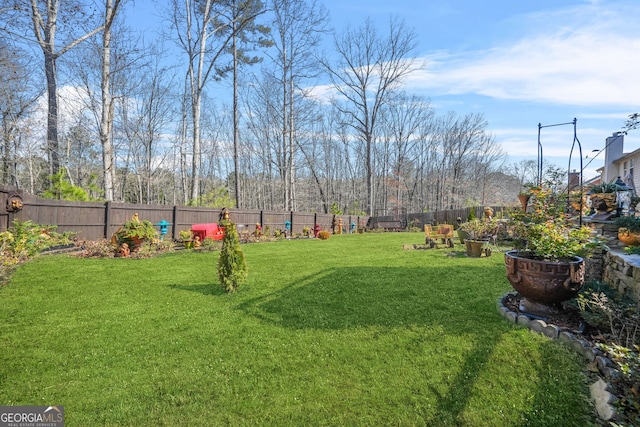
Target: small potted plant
{"points": [[134, 232], [477, 232], [525, 194], [628, 229], [187, 238]]}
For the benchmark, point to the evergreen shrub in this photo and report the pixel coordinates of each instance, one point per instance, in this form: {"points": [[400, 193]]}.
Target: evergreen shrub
{"points": [[232, 266]]}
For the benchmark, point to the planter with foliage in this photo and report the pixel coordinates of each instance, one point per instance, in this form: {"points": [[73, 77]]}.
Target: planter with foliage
{"points": [[477, 233], [134, 232], [544, 284], [547, 267], [524, 200], [628, 230], [604, 193], [187, 238], [526, 193]]}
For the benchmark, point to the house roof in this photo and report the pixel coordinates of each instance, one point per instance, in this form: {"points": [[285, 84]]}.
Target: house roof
{"points": [[596, 180], [627, 156]]}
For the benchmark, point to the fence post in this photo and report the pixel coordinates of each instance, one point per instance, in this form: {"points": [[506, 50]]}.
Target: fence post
{"points": [[262, 219], [174, 220], [107, 218], [291, 219]]}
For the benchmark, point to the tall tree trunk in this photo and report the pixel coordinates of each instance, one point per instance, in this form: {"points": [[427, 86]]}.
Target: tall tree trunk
{"points": [[52, 116], [291, 137], [285, 130], [106, 119], [236, 131], [195, 165], [45, 33], [369, 162]]}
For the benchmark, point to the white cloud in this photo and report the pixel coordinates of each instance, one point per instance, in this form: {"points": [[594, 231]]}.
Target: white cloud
{"points": [[587, 57], [322, 93]]}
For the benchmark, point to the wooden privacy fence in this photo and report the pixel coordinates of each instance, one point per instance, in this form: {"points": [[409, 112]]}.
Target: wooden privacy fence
{"points": [[433, 218], [96, 220]]}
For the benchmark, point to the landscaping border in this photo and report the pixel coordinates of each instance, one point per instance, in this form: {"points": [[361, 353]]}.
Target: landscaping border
{"points": [[600, 395]]}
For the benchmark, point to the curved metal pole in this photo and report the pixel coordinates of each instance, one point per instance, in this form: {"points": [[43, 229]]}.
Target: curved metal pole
{"points": [[539, 156], [575, 139], [540, 145]]}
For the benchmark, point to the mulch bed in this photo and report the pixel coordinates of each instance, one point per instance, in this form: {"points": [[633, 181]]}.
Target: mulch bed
{"points": [[568, 319]]}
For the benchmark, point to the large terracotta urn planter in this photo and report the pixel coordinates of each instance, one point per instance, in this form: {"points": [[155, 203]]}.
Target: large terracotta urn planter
{"points": [[543, 284]]}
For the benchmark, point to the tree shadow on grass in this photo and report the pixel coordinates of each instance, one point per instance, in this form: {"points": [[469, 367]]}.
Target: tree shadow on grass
{"points": [[460, 302], [388, 296], [394, 297]]}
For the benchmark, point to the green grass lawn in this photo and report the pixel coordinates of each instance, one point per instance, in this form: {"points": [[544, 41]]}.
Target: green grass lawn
{"points": [[349, 331]]}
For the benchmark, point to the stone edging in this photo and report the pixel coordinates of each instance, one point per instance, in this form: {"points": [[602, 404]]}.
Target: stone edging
{"points": [[600, 395]]}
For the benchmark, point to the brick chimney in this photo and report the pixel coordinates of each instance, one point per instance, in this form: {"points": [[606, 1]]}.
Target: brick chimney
{"points": [[613, 151], [574, 180]]}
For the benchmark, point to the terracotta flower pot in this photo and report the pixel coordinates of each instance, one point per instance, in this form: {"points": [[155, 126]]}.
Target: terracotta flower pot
{"points": [[543, 284], [135, 243], [628, 238], [474, 248], [524, 200]]}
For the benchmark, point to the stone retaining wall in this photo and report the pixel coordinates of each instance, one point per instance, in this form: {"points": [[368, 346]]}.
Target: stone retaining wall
{"points": [[619, 270], [622, 272], [606, 229]]}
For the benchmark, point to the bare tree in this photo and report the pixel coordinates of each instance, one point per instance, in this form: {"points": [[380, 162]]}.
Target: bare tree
{"points": [[142, 114], [404, 118], [18, 95], [246, 34], [525, 171], [297, 29], [370, 67], [80, 154], [111, 10], [111, 74], [263, 114], [46, 19], [203, 34]]}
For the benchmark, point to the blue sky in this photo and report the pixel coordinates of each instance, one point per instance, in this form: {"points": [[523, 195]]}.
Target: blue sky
{"points": [[525, 62], [521, 63]]}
